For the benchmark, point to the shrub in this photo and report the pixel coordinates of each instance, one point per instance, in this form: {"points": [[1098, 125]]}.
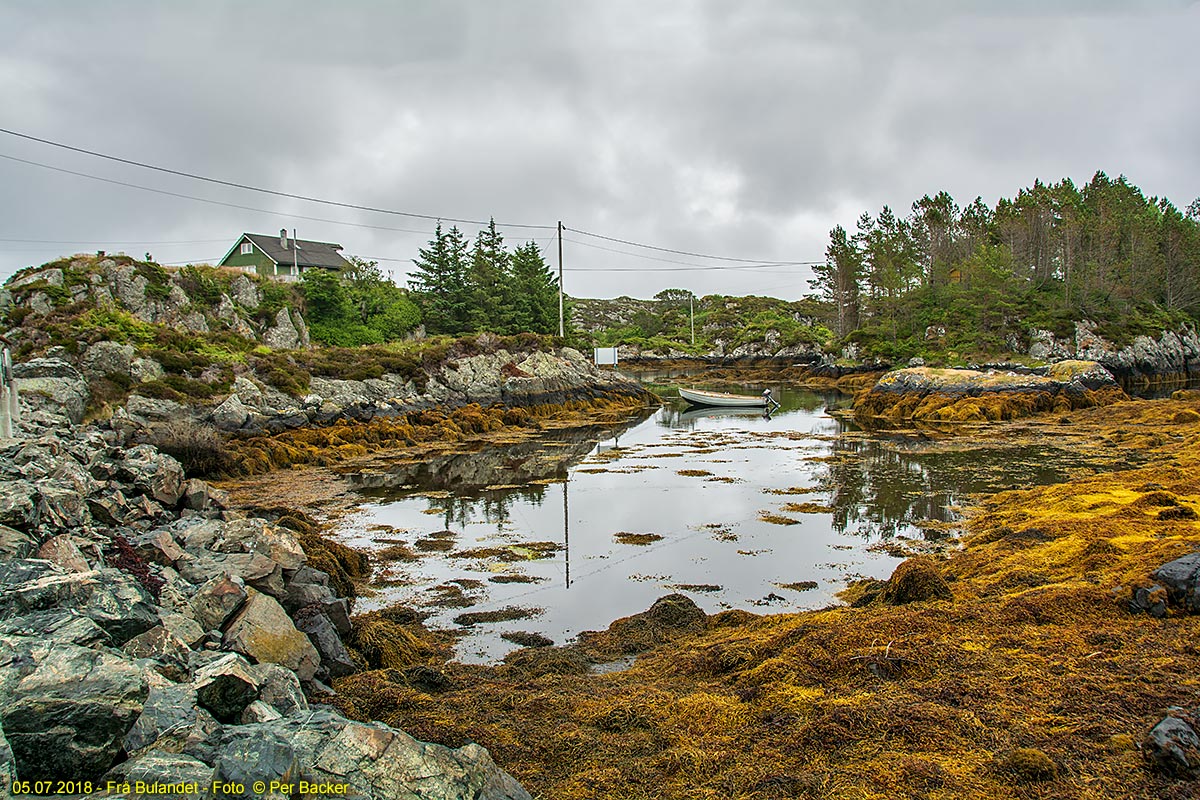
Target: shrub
{"points": [[198, 448]]}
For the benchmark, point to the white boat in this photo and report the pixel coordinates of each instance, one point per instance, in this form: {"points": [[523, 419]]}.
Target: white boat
{"points": [[702, 398]]}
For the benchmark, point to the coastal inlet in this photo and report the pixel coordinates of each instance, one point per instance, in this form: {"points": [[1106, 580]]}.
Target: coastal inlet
{"points": [[533, 542]]}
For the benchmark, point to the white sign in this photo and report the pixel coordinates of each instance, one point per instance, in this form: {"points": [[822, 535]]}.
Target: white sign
{"points": [[605, 355]]}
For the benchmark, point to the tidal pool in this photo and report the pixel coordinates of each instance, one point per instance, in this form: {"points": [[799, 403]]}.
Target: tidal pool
{"points": [[573, 529]]}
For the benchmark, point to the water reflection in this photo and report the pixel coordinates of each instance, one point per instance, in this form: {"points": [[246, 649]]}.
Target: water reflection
{"points": [[728, 505]]}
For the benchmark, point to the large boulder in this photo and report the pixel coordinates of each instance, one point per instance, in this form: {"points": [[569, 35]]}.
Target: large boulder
{"points": [[225, 687], [284, 334], [53, 386], [107, 358], [230, 414], [65, 709], [112, 599], [18, 504], [262, 631], [1181, 579], [1173, 746], [359, 760], [154, 474]]}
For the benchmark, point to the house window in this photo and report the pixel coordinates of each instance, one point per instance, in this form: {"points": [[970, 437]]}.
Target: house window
{"points": [[247, 248]]}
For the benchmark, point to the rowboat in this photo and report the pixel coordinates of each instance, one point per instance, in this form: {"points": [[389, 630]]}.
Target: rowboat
{"points": [[702, 398]]}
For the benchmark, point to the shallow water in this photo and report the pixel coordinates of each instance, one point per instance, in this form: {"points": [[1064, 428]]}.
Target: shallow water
{"points": [[701, 481]]}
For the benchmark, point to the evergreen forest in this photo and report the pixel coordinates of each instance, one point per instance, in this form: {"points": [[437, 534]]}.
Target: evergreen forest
{"points": [[976, 280]]}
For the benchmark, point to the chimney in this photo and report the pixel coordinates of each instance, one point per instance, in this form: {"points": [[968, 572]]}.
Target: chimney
{"points": [[283, 238]]}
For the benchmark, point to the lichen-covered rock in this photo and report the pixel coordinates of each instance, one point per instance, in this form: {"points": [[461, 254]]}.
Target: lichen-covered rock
{"points": [[57, 624], [66, 709], [155, 474], [230, 414], [226, 686], [168, 652], [53, 386], [15, 543], [217, 599], [156, 769], [279, 688], [262, 630], [283, 335], [107, 358], [18, 504]]}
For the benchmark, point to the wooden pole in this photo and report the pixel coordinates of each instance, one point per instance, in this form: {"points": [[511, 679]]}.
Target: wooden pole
{"points": [[692, 314], [560, 282]]}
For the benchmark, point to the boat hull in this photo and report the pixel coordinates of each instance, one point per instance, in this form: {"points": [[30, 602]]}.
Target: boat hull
{"points": [[721, 399]]}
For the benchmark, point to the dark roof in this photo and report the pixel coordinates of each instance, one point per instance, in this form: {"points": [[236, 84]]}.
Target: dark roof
{"points": [[308, 254]]}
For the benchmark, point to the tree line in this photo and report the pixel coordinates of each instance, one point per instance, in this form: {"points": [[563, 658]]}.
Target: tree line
{"points": [[1054, 254], [463, 288], [455, 288]]}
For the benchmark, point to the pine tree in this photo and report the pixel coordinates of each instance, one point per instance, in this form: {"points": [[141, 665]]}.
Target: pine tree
{"points": [[440, 282], [490, 284], [535, 292], [838, 279]]}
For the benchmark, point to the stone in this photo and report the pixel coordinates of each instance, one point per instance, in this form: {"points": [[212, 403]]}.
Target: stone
{"points": [[151, 409], [110, 598], [167, 708], [374, 760], [338, 611], [155, 474], [57, 624], [63, 551], [262, 630], [255, 569], [51, 277], [181, 625], [258, 711], [61, 507], [1173, 747], [158, 769], [8, 767], [226, 686], [18, 504], [230, 414], [53, 386], [1181, 578], [66, 709], [280, 688], [15, 543], [283, 336], [144, 370], [248, 392], [335, 661], [106, 358], [1150, 600], [217, 599], [243, 290], [195, 494], [168, 651]]}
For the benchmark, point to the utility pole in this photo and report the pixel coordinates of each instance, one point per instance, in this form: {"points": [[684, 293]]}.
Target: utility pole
{"points": [[560, 279], [295, 257]]}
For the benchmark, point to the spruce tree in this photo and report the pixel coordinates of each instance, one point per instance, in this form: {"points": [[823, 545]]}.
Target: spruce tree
{"points": [[535, 292], [440, 282], [490, 282]]}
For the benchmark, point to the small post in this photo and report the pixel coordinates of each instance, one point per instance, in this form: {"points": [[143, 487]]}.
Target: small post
{"points": [[560, 282]]}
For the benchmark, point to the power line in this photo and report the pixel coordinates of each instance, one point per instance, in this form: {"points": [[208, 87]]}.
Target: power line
{"points": [[676, 252], [117, 241], [207, 200], [259, 189], [688, 263]]}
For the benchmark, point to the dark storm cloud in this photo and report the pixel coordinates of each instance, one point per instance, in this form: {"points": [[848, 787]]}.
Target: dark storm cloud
{"points": [[747, 129]]}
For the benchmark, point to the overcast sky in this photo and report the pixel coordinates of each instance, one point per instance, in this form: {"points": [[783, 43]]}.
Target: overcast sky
{"points": [[744, 129]]}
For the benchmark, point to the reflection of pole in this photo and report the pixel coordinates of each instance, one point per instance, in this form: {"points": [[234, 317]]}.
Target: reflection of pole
{"points": [[566, 531]]}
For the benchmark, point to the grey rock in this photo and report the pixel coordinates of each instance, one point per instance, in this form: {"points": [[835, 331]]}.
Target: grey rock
{"points": [[1150, 600], [230, 414], [283, 336], [61, 507], [53, 277], [107, 358], [1181, 578], [167, 708], [156, 769], [8, 767], [168, 651], [1173, 747], [65, 709], [18, 504], [262, 630], [258, 711], [59, 625], [280, 688], [375, 760], [144, 370], [15, 544], [181, 625], [65, 396], [217, 599], [245, 292], [195, 494], [335, 661], [150, 409], [248, 392], [226, 686], [109, 597], [46, 368], [255, 569], [155, 474]]}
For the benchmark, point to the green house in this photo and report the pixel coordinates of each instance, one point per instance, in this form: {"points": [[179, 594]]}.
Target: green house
{"points": [[282, 258]]}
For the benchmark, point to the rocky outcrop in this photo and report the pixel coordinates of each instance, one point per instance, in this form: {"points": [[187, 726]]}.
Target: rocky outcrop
{"points": [[1172, 354], [961, 395], [147, 633], [52, 386]]}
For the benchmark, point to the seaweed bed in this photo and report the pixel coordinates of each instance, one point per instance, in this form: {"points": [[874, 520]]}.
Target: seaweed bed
{"points": [[1011, 669]]}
